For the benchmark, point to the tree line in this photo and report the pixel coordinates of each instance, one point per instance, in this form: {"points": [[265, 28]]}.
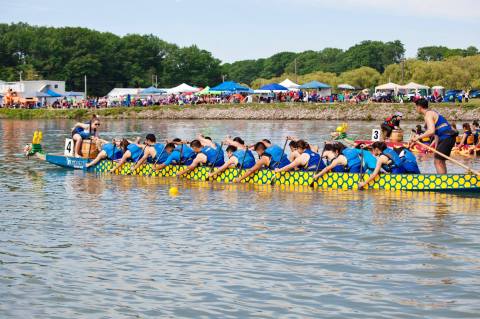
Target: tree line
{"points": [[135, 60], [108, 60], [456, 72]]}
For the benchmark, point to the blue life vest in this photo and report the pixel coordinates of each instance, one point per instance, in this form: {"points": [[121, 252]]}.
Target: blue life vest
{"points": [[160, 154], [353, 160], [136, 152], [113, 152], [443, 129], [313, 161], [409, 162], [85, 134], [249, 159], [187, 154], [395, 166], [212, 154], [369, 161], [276, 158]]}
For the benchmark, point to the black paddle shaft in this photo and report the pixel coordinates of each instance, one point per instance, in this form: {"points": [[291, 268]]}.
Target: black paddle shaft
{"points": [[243, 161], [312, 184], [278, 162], [216, 157]]}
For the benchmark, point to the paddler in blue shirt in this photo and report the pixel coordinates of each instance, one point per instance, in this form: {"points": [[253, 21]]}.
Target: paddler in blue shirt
{"points": [[182, 154], [409, 161], [112, 151], [369, 162], [340, 159], [239, 156], [305, 160], [133, 153], [155, 153], [207, 153], [387, 159], [269, 156]]}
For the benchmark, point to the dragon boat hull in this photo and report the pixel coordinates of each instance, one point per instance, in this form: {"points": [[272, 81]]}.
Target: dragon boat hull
{"points": [[451, 183]]}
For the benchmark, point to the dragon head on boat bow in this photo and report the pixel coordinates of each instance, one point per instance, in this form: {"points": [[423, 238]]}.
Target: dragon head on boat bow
{"points": [[35, 147]]}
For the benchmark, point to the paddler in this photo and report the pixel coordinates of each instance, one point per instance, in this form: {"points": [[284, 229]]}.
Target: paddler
{"points": [[112, 151], [239, 156], [391, 123], [340, 159], [467, 136], [307, 160], [409, 161], [387, 159], [269, 156], [182, 154], [419, 131], [207, 153], [133, 153], [369, 162], [438, 127], [154, 152], [83, 131]]}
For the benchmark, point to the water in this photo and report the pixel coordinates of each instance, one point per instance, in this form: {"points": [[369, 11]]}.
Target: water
{"points": [[78, 245]]}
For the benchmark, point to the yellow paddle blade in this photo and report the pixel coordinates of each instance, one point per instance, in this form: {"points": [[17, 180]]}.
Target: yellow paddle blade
{"points": [[40, 137]]}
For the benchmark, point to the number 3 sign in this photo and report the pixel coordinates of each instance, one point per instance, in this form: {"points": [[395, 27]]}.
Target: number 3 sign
{"points": [[376, 134]]}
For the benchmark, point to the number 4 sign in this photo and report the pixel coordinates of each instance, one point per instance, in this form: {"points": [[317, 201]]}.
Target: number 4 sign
{"points": [[376, 135], [68, 151]]}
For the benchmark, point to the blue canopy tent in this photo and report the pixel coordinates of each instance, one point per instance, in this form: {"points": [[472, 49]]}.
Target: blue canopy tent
{"points": [[52, 93], [273, 87], [230, 86], [315, 85], [152, 90]]}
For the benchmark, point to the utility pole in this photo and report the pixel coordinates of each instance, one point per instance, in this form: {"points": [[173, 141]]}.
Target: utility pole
{"points": [[403, 71], [296, 77], [223, 78], [85, 78], [20, 72], [156, 81]]}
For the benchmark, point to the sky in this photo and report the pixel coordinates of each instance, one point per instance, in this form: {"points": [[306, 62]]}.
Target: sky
{"points": [[251, 29]]}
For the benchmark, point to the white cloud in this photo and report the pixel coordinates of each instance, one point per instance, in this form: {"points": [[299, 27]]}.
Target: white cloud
{"points": [[452, 9]]}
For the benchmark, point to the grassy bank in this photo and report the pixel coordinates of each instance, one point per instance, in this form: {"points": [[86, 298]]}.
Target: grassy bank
{"points": [[280, 111]]}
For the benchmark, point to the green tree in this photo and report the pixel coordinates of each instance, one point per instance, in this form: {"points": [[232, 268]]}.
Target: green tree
{"points": [[364, 77]]}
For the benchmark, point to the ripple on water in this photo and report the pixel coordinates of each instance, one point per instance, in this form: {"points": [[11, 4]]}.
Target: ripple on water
{"points": [[80, 245]]}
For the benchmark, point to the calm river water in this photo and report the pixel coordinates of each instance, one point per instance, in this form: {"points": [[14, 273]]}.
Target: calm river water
{"points": [[74, 244]]}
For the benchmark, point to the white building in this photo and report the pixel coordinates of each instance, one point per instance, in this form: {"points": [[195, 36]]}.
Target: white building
{"points": [[45, 91]]}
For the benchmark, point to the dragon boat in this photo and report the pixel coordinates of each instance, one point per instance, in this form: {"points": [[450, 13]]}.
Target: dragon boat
{"points": [[451, 183]]}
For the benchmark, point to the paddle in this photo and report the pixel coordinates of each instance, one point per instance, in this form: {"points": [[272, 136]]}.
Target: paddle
{"points": [[243, 161], [431, 149], [361, 166], [215, 161], [274, 178], [312, 184], [133, 164], [156, 161]]}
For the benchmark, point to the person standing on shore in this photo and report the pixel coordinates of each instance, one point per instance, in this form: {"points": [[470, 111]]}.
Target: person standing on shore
{"points": [[439, 128]]}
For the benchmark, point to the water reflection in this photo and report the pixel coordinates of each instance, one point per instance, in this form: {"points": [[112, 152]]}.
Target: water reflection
{"points": [[75, 244]]}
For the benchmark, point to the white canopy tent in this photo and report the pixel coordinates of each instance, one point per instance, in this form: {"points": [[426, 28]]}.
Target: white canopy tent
{"points": [[289, 84], [118, 92], [414, 86], [182, 88], [438, 87], [388, 87]]}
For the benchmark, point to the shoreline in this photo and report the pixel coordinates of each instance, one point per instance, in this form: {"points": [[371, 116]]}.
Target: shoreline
{"points": [[275, 111]]}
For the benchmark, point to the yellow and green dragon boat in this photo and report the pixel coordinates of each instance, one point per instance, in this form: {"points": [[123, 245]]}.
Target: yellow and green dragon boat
{"points": [[452, 183]]}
